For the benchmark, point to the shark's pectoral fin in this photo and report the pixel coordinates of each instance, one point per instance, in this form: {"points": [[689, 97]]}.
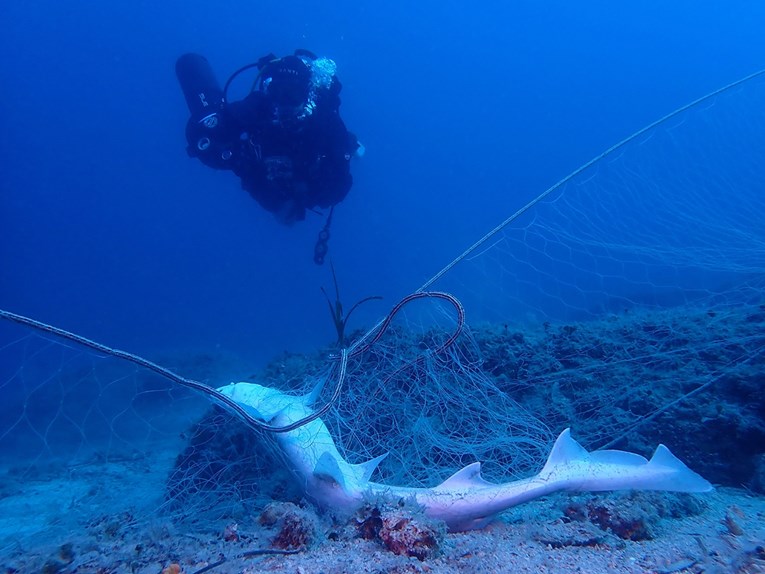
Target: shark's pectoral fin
{"points": [[328, 468], [365, 469]]}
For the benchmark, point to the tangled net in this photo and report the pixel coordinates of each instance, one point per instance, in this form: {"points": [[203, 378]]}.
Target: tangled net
{"points": [[616, 302]]}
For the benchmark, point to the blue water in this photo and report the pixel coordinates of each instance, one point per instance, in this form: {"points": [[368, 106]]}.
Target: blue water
{"points": [[111, 231]]}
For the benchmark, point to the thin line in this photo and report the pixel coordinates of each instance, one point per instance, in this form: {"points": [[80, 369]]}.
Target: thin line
{"points": [[579, 170], [176, 378]]}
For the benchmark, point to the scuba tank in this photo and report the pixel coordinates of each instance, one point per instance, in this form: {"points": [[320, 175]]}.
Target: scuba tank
{"points": [[207, 132], [200, 87]]}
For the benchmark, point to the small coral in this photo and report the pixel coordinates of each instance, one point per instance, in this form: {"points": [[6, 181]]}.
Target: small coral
{"points": [[625, 521], [63, 558], [625, 524], [730, 522], [231, 532], [630, 516], [172, 569], [369, 523], [402, 532], [297, 529]]}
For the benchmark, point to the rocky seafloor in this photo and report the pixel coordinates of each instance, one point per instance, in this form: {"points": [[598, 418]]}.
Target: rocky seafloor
{"points": [[218, 499]]}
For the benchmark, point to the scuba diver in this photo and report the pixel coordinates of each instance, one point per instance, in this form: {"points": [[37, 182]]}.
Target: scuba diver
{"points": [[285, 140]]}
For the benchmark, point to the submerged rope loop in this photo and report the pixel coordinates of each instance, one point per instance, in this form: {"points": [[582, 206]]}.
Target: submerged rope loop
{"points": [[378, 330]]}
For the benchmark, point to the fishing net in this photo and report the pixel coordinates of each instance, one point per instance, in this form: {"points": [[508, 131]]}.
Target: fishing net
{"points": [[626, 302]]}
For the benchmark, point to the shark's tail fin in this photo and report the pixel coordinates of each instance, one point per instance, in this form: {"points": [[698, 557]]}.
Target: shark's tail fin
{"points": [[576, 469], [683, 479]]}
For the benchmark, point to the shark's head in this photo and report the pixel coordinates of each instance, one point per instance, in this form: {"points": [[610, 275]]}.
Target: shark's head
{"points": [[262, 402]]}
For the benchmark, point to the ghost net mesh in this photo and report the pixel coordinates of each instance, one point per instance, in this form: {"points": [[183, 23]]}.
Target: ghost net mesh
{"points": [[626, 302]]}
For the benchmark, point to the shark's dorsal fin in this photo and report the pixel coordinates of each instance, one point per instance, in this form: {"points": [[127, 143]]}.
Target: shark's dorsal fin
{"points": [[328, 467], [565, 451], [470, 476], [663, 457]]}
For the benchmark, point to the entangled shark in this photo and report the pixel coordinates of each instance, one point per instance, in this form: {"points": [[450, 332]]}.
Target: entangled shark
{"points": [[464, 501]]}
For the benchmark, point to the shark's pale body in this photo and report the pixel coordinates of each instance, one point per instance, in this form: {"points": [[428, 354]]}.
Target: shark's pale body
{"points": [[465, 500]]}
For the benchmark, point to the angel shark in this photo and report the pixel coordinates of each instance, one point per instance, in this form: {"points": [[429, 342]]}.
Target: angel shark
{"points": [[464, 501]]}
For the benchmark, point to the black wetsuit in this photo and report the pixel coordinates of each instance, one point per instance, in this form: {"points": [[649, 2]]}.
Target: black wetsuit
{"points": [[288, 159]]}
